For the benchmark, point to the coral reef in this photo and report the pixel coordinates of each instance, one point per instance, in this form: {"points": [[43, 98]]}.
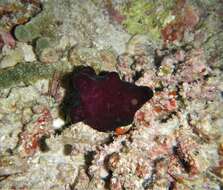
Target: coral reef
{"points": [[28, 73], [174, 140], [137, 58], [145, 17], [186, 19], [104, 60]]}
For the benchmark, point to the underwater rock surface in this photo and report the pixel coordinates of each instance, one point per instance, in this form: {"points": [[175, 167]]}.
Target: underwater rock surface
{"points": [[106, 102]]}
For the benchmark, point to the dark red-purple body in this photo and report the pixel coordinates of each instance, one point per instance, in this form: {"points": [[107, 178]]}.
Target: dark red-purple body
{"points": [[106, 102]]}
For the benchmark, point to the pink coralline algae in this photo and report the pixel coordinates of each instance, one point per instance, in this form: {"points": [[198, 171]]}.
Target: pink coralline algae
{"points": [[105, 101]]}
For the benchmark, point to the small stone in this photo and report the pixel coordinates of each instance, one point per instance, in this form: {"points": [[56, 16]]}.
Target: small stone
{"points": [[103, 173], [47, 50], [112, 160], [11, 59], [26, 115], [108, 60], [139, 45], [58, 123], [27, 52], [115, 184], [64, 42], [49, 55], [73, 57]]}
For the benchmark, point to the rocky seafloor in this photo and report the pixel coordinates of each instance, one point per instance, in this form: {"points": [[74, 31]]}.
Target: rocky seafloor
{"points": [[172, 46]]}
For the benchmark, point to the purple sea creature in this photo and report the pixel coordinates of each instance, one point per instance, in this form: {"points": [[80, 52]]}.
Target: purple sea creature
{"points": [[106, 102]]}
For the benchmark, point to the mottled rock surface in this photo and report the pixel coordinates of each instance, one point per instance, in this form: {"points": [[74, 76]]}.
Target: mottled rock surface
{"points": [[173, 47]]}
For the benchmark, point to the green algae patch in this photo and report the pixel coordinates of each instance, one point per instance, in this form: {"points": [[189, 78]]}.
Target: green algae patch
{"points": [[43, 24], [41, 44], [29, 72], [26, 33], [148, 17]]}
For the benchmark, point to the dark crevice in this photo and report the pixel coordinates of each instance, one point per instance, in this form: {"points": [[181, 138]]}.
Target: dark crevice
{"points": [[158, 60], [184, 163], [42, 144], [167, 117], [148, 182], [60, 130], [89, 157], [67, 149], [19, 138], [107, 180], [138, 75], [172, 185]]}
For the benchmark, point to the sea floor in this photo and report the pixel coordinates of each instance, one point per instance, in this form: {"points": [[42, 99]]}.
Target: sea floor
{"points": [[174, 47]]}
